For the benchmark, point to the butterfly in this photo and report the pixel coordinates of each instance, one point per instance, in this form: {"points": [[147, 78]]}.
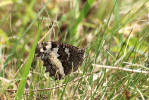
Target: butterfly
{"points": [[60, 59]]}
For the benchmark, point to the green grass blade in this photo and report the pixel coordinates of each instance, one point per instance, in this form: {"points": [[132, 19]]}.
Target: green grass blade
{"points": [[116, 11], [26, 70], [86, 8]]}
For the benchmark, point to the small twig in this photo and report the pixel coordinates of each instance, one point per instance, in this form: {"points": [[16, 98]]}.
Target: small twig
{"points": [[124, 69], [49, 31]]}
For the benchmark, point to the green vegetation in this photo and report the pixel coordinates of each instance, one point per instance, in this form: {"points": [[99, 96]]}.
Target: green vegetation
{"points": [[114, 33]]}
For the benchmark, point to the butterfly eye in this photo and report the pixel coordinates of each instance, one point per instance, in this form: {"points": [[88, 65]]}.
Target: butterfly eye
{"points": [[44, 48], [42, 43]]}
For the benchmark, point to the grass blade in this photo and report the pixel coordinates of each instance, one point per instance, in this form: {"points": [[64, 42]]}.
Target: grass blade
{"points": [[26, 70], [84, 11]]}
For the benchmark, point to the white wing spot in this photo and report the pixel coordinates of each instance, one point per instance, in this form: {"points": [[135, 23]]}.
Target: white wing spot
{"points": [[67, 51], [41, 50]]}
